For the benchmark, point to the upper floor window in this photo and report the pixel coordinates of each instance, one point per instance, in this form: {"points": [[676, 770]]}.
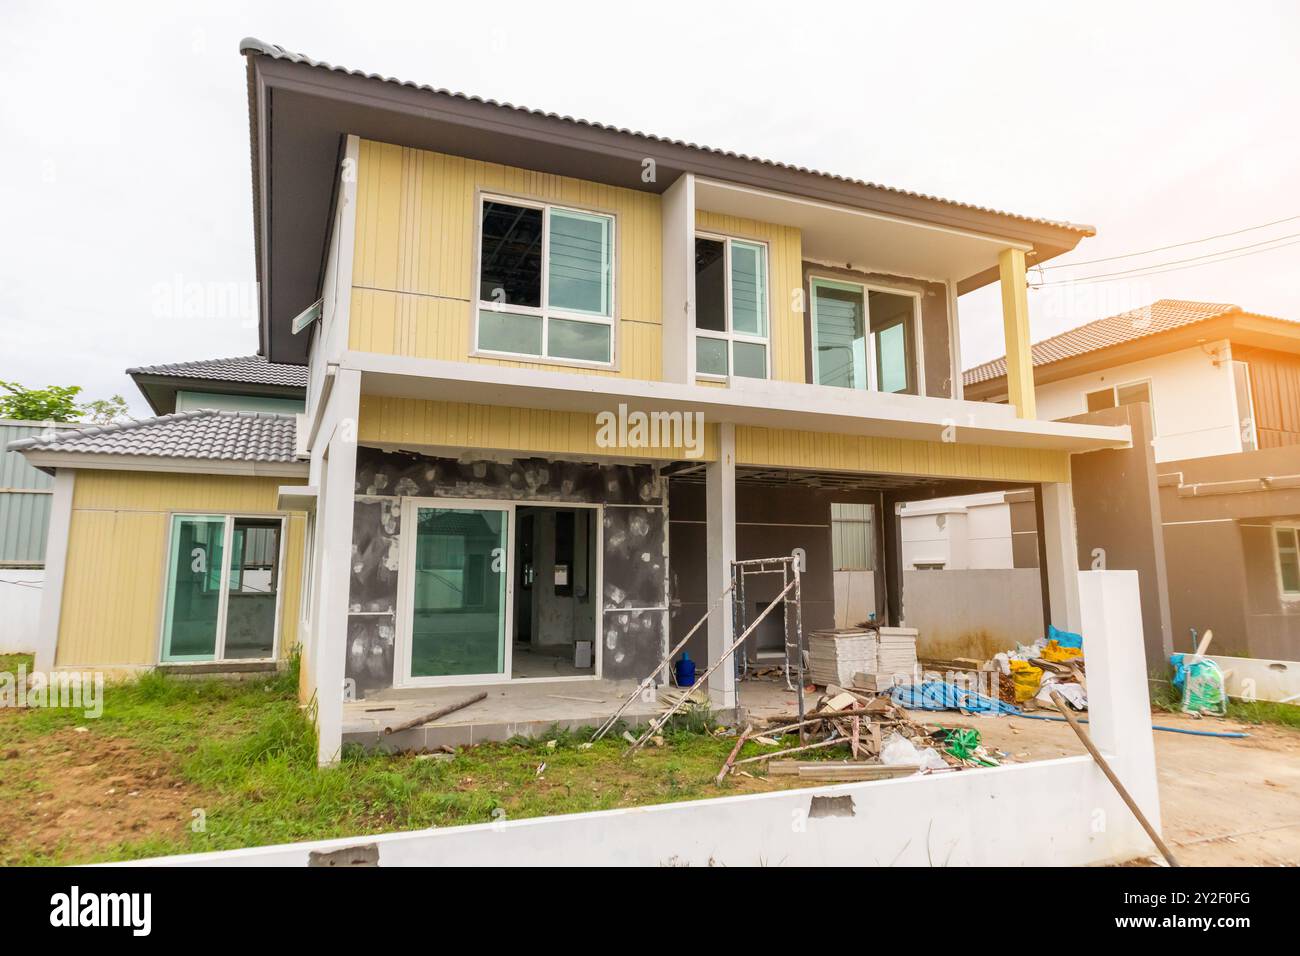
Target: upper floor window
{"points": [[1288, 561], [545, 282], [731, 310], [864, 338], [1133, 393], [1245, 405]]}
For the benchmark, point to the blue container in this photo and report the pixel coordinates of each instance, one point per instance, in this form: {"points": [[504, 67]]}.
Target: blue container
{"points": [[685, 671]]}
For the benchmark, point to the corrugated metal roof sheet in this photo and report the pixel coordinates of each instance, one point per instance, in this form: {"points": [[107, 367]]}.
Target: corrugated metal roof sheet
{"points": [[24, 497], [204, 434], [251, 369], [1160, 316], [252, 45]]}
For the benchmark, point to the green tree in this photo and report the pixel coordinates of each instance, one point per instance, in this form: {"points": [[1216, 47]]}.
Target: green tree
{"points": [[56, 403]]}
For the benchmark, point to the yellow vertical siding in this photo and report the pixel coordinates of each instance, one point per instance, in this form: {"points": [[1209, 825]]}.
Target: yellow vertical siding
{"points": [[117, 552], [785, 285], [786, 448], [414, 423], [413, 267]]}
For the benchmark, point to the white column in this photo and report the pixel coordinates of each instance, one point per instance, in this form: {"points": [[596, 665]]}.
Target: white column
{"points": [[720, 501], [334, 543], [56, 563], [1119, 704], [1062, 550], [678, 272]]}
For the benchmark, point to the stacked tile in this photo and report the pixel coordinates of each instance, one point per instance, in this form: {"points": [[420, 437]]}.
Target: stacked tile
{"points": [[897, 653], [834, 656]]}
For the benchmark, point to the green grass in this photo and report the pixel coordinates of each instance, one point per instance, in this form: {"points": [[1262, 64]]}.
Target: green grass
{"points": [[9, 663], [1166, 697], [246, 754]]}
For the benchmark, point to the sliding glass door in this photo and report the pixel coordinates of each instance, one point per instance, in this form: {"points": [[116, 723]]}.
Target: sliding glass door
{"points": [[864, 338], [222, 588], [457, 593]]}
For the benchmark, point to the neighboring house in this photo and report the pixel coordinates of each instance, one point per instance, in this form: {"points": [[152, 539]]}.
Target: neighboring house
{"points": [[1220, 391], [490, 302], [1218, 380], [983, 531], [248, 383]]}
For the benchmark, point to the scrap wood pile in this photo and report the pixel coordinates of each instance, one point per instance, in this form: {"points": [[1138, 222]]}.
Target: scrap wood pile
{"points": [[881, 740]]}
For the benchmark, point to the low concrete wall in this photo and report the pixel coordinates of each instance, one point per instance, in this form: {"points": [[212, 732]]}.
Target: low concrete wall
{"points": [[1251, 679], [20, 608], [973, 613]]}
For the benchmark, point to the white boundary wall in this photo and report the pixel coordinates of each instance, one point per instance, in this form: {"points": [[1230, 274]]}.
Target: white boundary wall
{"points": [[1054, 812], [20, 609]]}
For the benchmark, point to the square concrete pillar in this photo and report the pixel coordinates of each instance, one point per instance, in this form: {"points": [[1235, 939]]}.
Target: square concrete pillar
{"points": [[720, 551], [1061, 554]]}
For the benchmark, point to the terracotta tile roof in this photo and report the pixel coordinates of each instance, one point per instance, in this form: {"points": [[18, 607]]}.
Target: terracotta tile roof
{"points": [[252, 369], [259, 47], [1161, 316], [204, 434]]}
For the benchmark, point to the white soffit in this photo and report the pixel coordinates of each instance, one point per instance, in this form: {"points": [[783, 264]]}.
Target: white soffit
{"points": [[868, 241]]}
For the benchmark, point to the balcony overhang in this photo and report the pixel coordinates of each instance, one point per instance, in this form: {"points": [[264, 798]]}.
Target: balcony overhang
{"points": [[749, 402], [863, 239]]}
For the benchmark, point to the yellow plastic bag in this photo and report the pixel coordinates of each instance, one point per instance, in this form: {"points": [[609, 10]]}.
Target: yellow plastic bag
{"points": [[1026, 678], [1055, 652]]}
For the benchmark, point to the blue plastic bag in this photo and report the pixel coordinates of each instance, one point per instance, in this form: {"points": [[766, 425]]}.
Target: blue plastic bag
{"points": [[1064, 638]]}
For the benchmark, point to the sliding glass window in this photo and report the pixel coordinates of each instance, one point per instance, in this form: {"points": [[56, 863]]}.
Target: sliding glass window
{"points": [[864, 338], [731, 308], [546, 282]]}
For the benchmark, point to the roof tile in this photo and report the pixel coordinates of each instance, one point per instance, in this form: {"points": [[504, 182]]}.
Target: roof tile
{"points": [[203, 434], [253, 369]]}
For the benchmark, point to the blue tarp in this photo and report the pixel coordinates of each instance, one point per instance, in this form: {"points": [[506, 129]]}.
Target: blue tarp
{"points": [[1064, 638], [938, 695]]}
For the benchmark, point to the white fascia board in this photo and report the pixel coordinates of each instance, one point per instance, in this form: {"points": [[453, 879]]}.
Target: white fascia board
{"points": [[750, 402], [297, 498], [147, 463]]}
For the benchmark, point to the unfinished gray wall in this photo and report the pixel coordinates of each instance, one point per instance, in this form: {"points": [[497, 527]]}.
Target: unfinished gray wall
{"points": [[635, 552], [973, 613]]}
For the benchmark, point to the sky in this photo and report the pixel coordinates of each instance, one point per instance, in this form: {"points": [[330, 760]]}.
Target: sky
{"points": [[124, 130]]}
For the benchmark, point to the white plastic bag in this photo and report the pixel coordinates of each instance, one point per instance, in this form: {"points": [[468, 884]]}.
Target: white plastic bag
{"points": [[901, 752]]}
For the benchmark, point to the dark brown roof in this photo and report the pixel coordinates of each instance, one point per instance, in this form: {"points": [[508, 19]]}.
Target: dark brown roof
{"points": [[1161, 316]]}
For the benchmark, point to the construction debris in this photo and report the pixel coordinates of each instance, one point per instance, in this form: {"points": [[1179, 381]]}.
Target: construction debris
{"points": [[834, 656]]}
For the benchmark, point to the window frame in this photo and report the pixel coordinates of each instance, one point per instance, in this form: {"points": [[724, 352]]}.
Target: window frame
{"points": [[545, 312], [1250, 405], [228, 533], [866, 288], [1114, 395], [729, 334], [1294, 529]]}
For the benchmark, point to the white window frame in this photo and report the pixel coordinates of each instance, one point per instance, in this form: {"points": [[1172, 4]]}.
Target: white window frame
{"points": [[918, 350], [1114, 395], [729, 335], [406, 591], [1277, 557], [227, 540], [544, 311], [1249, 414]]}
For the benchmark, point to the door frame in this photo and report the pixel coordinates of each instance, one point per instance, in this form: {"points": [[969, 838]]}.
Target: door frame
{"points": [[227, 539], [406, 590]]}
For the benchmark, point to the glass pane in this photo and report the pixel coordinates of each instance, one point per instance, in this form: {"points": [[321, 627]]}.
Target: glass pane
{"points": [[254, 580], [1105, 398], [504, 332], [710, 355], [748, 289], [194, 588], [838, 336], [1132, 394], [750, 359], [892, 326], [459, 606], [587, 341], [511, 255], [710, 285], [579, 267], [1288, 560], [1245, 407]]}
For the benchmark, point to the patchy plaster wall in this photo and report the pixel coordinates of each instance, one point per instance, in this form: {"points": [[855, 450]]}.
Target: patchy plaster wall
{"points": [[635, 550]]}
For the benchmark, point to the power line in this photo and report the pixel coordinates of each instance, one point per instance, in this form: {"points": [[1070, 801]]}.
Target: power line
{"points": [[1174, 262], [1176, 245], [1172, 267]]}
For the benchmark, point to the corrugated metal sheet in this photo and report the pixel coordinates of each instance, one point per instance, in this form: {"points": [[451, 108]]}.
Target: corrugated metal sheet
{"points": [[24, 499]]}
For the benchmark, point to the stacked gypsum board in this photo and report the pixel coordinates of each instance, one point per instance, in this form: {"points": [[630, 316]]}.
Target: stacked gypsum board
{"points": [[897, 653], [834, 656]]}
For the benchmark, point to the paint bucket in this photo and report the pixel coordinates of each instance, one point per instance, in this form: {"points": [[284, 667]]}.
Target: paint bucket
{"points": [[685, 671]]}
